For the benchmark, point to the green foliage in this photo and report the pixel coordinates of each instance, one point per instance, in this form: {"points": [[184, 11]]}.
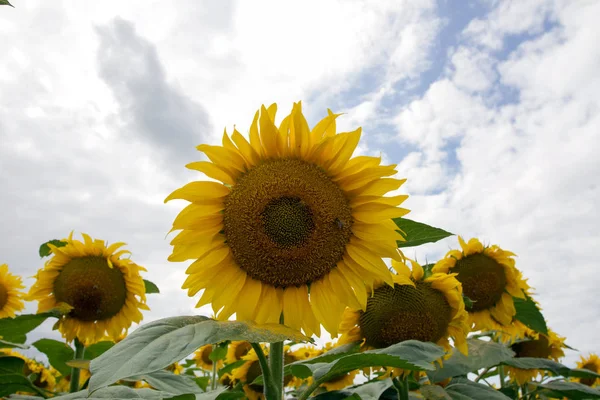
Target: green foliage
{"points": [[418, 233], [15, 329], [45, 249], [97, 349], [168, 382], [13, 383], [230, 367], [154, 346], [124, 392], [7, 345], [10, 364], [554, 367], [151, 288], [219, 352], [529, 314], [570, 390], [6, 3], [461, 388], [434, 392], [482, 354], [58, 354]]}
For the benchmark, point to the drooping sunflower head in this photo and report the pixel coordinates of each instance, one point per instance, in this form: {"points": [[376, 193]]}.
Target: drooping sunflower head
{"points": [[45, 378], [236, 350], [106, 291], [591, 363], [292, 210], [427, 309], [11, 297], [489, 278], [537, 345], [202, 357]]}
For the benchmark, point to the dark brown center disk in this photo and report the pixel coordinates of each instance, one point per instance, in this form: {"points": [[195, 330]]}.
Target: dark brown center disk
{"points": [[538, 348], [483, 280], [286, 222], [589, 381], [403, 312], [94, 290], [242, 349]]}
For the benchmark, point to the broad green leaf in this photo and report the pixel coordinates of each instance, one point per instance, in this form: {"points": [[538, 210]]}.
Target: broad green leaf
{"points": [[482, 354], [158, 344], [58, 354], [124, 392], [418, 233], [151, 288], [465, 389], [538, 363], [45, 249], [97, 349], [202, 382], [583, 373], [81, 364], [218, 352], [6, 3], [7, 345], [434, 392], [529, 314], [370, 391], [15, 329], [570, 390], [13, 383], [168, 382], [10, 364]]}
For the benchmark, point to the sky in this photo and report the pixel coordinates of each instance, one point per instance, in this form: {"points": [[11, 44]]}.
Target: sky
{"points": [[491, 109]]}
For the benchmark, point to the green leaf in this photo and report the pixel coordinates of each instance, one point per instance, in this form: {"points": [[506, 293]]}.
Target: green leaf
{"points": [[418, 233], [468, 302], [45, 249], [230, 367], [6, 3], [202, 382], [13, 383], [434, 392], [58, 354], [370, 391], [218, 352], [97, 349], [168, 382], [461, 388], [15, 329], [158, 344], [538, 363], [10, 364], [151, 288], [482, 354], [529, 314], [7, 345], [571, 390], [583, 373]]}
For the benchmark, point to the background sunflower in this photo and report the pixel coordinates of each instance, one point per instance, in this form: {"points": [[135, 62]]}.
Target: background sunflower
{"points": [[10, 294]]}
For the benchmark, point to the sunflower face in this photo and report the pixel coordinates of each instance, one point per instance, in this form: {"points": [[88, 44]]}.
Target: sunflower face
{"points": [[294, 211], [405, 312], [10, 294], [591, 363], [105, 291], [489, 278]]}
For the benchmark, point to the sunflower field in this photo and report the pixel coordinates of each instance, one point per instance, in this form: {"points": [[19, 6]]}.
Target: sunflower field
{"points": [[291, 239]]}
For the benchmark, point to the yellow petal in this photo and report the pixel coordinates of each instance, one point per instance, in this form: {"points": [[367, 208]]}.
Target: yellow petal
{"points": [[246, 150], [212, 171], [201, 192], [230, 161]]}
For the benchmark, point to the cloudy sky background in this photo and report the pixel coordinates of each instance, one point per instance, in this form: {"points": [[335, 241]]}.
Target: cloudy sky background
{"points": [[490, 109]]}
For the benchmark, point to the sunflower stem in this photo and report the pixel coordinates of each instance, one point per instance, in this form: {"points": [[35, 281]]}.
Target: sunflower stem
{"points": [[269, 386], [79, 352], [401, 387], [501, 375], [213, 380], [276, 363]]}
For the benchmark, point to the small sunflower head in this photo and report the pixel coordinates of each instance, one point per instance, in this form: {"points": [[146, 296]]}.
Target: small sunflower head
{"points": [[11, 297], [489, 278], [237, 350], [106, 292], [202, 357], [427, 309], [591, 363]]}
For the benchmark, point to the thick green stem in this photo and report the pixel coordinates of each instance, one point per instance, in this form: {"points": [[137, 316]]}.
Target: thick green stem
{"points": [[401, 386], [269, 387], [501, 375], [309, 390], [79, 352], [481, 375], [213, 380], [276, 365]]}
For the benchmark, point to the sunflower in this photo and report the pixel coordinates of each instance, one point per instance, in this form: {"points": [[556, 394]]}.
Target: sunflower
{"points": [[340, 382], [176, 368], [202, 358], [64, 383], [592, 363], [537, 345], [45, 377], [105, 290], [10, 295], [293, 211], [427, 309], [489, 278], [236, 350], [247, 373]]}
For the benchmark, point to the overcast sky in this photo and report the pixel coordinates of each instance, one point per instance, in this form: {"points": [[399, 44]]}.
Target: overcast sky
{"points": [[490, 109]]}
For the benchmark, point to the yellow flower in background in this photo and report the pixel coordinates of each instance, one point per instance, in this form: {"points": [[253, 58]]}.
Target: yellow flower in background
{"points": [[489, 278], [64, 382], [427, 309], [535, 345], [105, 290], [340, 382], [46, 377], [247, 373], [292, 211], [202, 358], [10, 294], [236, 350], [591, 363], [175, 368]]}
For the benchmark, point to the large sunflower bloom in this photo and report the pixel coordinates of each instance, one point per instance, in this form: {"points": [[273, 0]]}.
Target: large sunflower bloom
{"points": [[489, 278], [293, 211], [105, 290], [538, 345], [592, 363], [10, 295], [427, 309]]}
